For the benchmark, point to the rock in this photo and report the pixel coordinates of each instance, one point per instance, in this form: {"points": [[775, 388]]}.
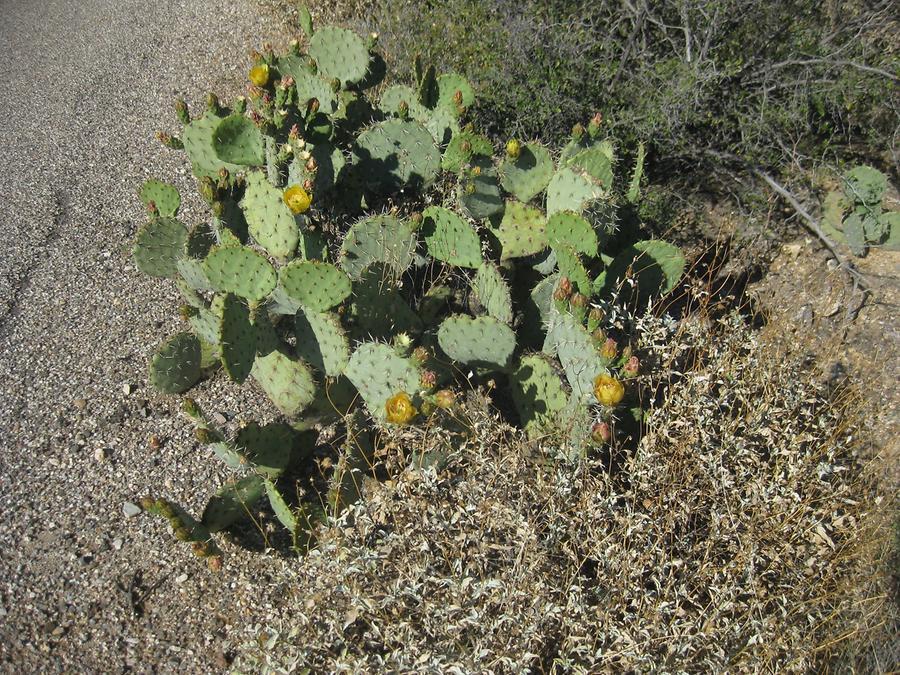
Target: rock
{"points": [[219, 418], [181, 578], [80, 403], [127, 389], [101, 454], [117, 544], [130, 509]]}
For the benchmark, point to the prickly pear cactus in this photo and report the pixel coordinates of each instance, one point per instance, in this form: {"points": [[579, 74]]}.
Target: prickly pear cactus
{"points": [[366, 262], [856, 216]]}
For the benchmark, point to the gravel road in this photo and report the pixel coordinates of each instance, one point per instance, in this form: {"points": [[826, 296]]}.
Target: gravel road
{"points": [[83, 587]]}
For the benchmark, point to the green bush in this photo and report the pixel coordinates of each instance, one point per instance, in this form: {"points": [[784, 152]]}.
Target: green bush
{"points": [[765, 81]]}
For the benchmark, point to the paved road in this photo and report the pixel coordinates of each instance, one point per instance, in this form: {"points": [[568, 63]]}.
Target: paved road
{"points": [[83, 87]]}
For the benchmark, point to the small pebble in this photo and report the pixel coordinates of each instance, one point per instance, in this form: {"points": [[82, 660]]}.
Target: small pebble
{"points": [[101, 454], [219, 418], [181, 578], [130, 509], [127, 389], [80, 403], [117, 544]]}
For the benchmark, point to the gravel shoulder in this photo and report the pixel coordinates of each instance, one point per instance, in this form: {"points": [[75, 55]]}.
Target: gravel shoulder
{"points": [[83, 587]]}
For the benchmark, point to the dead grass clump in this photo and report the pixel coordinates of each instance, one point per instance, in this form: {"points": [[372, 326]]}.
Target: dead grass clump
{"points": [[736, 537]]}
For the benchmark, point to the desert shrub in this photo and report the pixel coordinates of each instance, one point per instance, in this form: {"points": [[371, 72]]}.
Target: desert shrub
{"points": [[735, 537], [765, 81]]}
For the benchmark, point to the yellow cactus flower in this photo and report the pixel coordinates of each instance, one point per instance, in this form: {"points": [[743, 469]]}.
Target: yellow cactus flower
{"points": [[608, 390], [400, 409], [297, 199], [259, 75]]}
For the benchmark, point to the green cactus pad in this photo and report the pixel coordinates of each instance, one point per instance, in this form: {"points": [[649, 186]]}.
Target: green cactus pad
{"points": [[538, 394], [329, 163], [568, 340], [190, 265], [315, 285], [310, 86], [378, 239], [287, 382], [634, 188], [240, 270], [198, 139], [378, 309], [283, 511], [565, 228], [521, 232], [597, 162], [397, 153], [175, 367], [451, 239], [450, 83], [321, 341], [340, 54], [266, 448], [574, 148], [196, 531], [206, 323], [481, 341], [159, 245], [536, 314], [270, 221], [441, 123], [462, 148], [398, 94], [163, 196], [527, 175], [479, 190], [237, 338], [237, 140], [573, 189], [866, 185], [378, 373], [493, 293], [656, 265], [570, 266], [233, 502]]}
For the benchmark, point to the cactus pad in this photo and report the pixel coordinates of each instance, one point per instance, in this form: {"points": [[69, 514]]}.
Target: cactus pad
{"points": [[340, 54], [315, 285], [527, 175], [462, 148], [521, 232], [237, 140], [270, 221], [481, 341], [378, 239], [596, 162], [287, 382], [159, 245], [448, 85], [451, 239], [570, 266], [538, 394], [163, 196], [574, 347], [175, 367], [329, 163], [232, 502], [310, 86], [321, 341], [378, 373], [378, 309], [198, 139], [655, 265], [237, 338], [565, 228], [493, 293], [240, 270], [397, 153], [573, 189], [479, 190], [266, 448]]}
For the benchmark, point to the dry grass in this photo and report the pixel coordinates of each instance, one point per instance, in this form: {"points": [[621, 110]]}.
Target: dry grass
{"points": [[743, 534]]}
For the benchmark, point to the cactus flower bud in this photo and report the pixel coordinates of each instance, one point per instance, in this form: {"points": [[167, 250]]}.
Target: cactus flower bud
{"points": [[287, 82], [312, 107], [608, 390], [578, 301], [181, 111], [154, 442], [578, 132], [200, 549], [182, 533], [402, 344], [403, 110], [594, 125], [297, 199], [294, 133], [445, 399], [151, 208], [212, 103], [335, 84], [513, 148], [600, 433], [564, 286], [218, 209], [308, 185], [165, 509], [631, 367], [609, 350], [190, 408], [470, 188], [595, 316], [207, 189], [458, 97], [169, 140], [476, 170], [428, 379], [400, 409], [416, 220], [259, 75], [420, 355], [311, 164]]}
